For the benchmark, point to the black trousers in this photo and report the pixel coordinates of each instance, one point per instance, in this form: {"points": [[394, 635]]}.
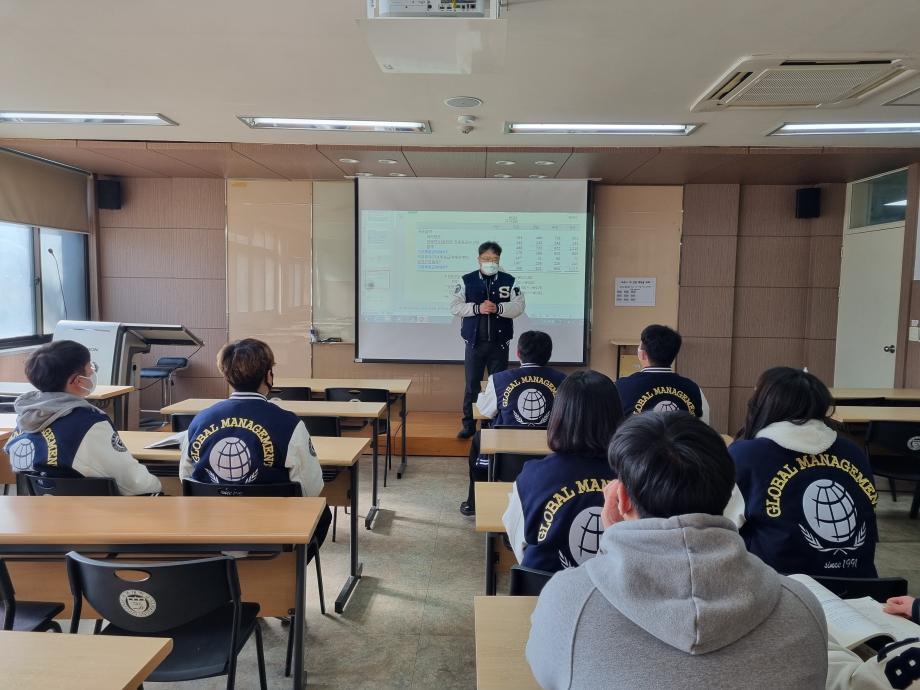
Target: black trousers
{"points": [[477, 358], [477, 474]]}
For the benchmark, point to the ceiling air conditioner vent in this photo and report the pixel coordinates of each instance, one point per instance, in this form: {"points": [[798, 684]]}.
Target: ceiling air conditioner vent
{"points": [[773, 82]]}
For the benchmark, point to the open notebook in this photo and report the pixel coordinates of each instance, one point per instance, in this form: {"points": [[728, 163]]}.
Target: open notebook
{"points": [[171, 441], [852, 622]]}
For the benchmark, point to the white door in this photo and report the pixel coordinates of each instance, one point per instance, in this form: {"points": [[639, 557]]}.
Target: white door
{"points": [[869, 300]]}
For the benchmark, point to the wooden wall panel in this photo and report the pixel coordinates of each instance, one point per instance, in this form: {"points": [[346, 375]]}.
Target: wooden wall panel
{"points": [[711, 209], [708, 260], [163, 260]]}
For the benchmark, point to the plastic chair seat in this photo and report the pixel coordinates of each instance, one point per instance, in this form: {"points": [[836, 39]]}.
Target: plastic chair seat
{"points": [[35, 616], [156, 372], [200, 647], [896, 467]]}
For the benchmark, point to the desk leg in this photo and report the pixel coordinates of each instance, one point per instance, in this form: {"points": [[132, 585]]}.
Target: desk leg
{"points": [[120, 412], [356, 566], [300, 593], [375, 504], [491, 557], [402, 413]]}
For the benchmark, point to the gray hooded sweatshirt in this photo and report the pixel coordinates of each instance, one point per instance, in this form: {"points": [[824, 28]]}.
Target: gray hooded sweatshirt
{"points": [[676, 603]]}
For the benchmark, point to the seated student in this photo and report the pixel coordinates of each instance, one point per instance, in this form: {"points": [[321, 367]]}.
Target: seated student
{"points": [[673, 598], [656, 386], [247, 439], [522, 396], [569, 483], [808, 494], [59, 433]]}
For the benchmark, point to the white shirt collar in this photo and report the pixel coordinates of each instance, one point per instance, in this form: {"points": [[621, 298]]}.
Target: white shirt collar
{"points": [[240, 395], [658, 370]]}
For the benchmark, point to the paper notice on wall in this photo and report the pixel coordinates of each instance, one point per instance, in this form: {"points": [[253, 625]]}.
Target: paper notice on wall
{"points": [[634, 292]]}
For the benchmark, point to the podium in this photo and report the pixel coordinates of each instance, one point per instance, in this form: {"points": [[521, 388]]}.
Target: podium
{"points": [[113, 346]]}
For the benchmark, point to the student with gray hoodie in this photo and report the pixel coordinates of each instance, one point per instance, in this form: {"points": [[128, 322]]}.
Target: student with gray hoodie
{"points": [[58, 433], [673, 599]]}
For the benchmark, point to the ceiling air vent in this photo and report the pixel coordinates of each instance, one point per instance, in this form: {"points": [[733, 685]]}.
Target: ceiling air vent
{"points": [[772, 82]]}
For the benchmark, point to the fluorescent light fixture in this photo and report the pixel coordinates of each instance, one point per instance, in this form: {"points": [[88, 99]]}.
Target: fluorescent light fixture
{"points": [[387, 161], [336, 125], [364, 174], [792, 128], [537, 177], [350, 161], [398, 175], [34, 118], [597, 128], [544, 162], [504, 162], [501, 176], [902, 202]]}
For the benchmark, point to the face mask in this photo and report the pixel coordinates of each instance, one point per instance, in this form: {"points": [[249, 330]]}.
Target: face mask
{"points": [[489, 268], [92, 381]]}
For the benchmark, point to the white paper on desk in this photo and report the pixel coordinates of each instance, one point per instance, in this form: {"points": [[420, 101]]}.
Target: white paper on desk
{"points": [[851, 622], [171, 441]]}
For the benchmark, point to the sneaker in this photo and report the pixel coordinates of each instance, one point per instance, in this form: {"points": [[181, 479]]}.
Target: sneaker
{"points": [[466, 432], [467, 509]]}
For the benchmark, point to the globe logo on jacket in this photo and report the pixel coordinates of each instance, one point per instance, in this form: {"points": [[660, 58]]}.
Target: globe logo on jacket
{"points": [[22, 454], [230, 459], [831, 514], [531, 407]]}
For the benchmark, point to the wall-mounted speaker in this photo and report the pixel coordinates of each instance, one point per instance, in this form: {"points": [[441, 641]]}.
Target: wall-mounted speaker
{"points": [[808, 202], [108, 194]]}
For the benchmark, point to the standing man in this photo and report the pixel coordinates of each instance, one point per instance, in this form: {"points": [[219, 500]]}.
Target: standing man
{"points": [[486, 300]]}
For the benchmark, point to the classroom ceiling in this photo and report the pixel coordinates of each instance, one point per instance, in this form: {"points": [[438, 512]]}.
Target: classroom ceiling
{"points": [[683, 165], [204, 63]]}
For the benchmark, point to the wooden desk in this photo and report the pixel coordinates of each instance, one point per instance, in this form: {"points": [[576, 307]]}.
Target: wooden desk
{"points": [[844, 394], [397, 388], [491, 503], [312, 408], [858, 414], [521, 441], [92, 662], [33, 526], [502, 626], [102, 394], [343, 452]]}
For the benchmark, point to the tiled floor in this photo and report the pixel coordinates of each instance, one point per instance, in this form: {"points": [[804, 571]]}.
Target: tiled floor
{"points": [[409, 624]]}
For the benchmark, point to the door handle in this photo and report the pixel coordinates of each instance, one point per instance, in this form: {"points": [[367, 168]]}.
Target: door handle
{"points": [[888, 348]]}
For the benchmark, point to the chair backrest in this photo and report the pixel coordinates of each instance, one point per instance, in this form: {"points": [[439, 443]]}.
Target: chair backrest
{"points": [[527, 582], [506, 467], [897, 438], [151, 597], [538, 427], [181, 422], [173, 362], [879, 588], [862, 402], [292, 393], [323, 426], [7, 598], [6, 403], [358, 395], [192, 488], [40, 485]]}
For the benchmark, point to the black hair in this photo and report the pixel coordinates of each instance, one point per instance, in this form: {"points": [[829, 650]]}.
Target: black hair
{"points": [[784, 394], [50, 367], [672, 463], [245, 364], [535, 347], [661, 344], [490, 246], [586, 412]]}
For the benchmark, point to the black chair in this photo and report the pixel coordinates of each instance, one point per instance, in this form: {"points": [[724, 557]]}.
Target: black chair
{"points": [[25, 616], [163, 372], [196, 603], [281, 490], [292, 393], [527, 582], [6, 404], [894, 452], [860, 402], [505, 467], [41, 485], [879, 588], [181, 422], [383, 425]]}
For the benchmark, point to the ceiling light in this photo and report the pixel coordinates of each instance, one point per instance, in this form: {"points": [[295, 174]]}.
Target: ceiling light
{"points": [[902, 202], [388, 161], [364, 174], [501, 175], [504, 162], [463, 102], [336, 125], [84, 118], [537, 177], [544, 162], [397, 174], [350, 161], [597, 128], [790, 128]]}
